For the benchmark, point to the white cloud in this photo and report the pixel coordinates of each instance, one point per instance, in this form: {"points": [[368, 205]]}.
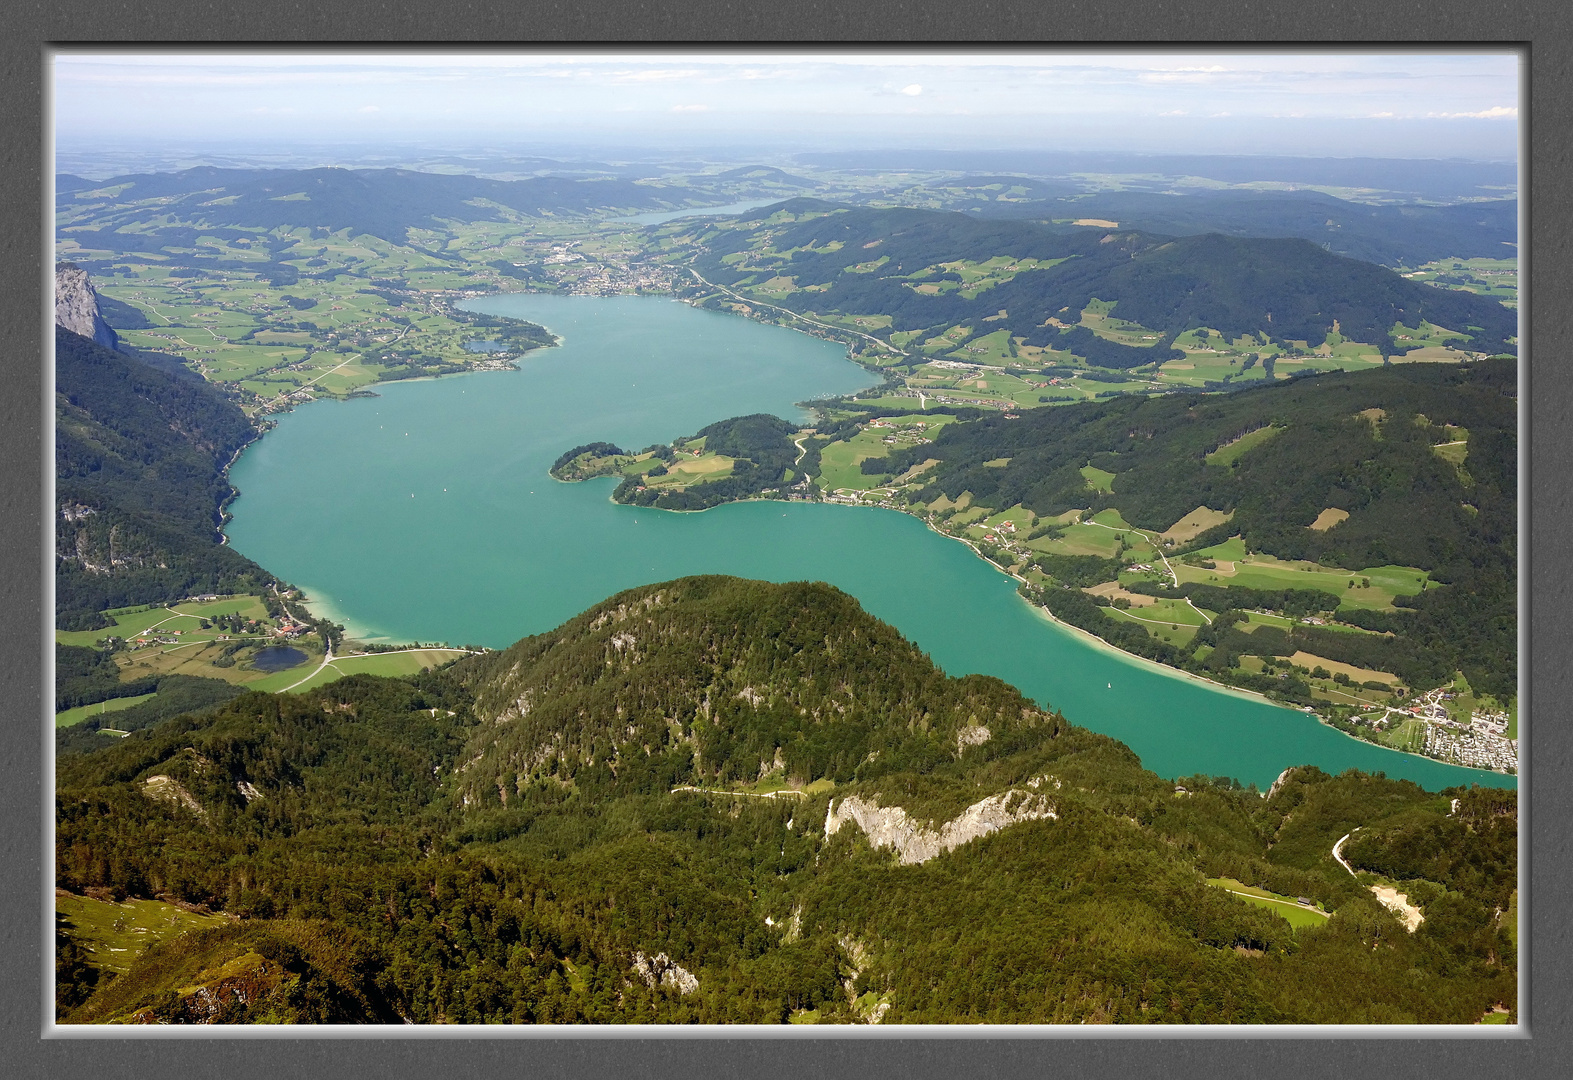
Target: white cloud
{"points": [[690, 108], [1496, 112], [370, 108], [912, 91]]}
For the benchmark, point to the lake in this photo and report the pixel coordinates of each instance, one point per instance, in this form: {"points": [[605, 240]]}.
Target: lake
{"points": [[427, 514]]}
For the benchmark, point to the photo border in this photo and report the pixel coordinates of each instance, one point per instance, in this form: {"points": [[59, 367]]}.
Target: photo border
{"points": [[27, 516]]}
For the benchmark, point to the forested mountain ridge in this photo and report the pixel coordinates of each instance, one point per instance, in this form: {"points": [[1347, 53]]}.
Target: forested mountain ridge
{"points": [[902, 263], [710, 681], [1389, 235], [377, 875], [140, 456], [385, 203]]}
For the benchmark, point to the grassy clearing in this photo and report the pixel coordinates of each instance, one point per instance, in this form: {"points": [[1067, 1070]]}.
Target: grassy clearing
{"points": [[1297, 915], [1194, 524], [82, 712], [1157, 624], [114, 935], [1230, 452], [1098, 479], [1328, 518], [404, 662]]}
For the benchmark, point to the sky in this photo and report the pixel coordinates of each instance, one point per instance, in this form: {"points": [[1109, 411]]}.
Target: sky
{"points": [[1343, 104]]}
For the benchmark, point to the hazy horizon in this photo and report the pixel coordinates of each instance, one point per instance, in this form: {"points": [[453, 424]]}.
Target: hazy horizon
{"points": [[1437, 105]]}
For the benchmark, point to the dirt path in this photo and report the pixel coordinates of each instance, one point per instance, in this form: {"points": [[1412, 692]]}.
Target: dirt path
{"points": [[751, 794], [1389, 897]]}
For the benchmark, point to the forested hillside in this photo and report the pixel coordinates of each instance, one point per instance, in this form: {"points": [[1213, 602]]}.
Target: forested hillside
{"points": [[908, 265], [1401, 235], [1365, 444], [139, 459], [713, 800]]}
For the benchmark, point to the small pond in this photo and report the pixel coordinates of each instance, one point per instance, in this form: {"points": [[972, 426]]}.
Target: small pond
{"points": [[277, 658]]}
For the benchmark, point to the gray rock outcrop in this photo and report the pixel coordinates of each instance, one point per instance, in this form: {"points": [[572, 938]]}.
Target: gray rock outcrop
{"points": [[76, 306], [891, 827]]}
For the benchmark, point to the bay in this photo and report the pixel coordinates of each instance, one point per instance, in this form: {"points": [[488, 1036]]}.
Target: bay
{"points": [[427, 514]]}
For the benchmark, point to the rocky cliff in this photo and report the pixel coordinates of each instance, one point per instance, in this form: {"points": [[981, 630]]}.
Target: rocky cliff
{"points": [[76, 306], [891, 827]]}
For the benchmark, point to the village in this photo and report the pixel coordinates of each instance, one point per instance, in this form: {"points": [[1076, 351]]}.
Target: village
{"points": [[1480, 743]]}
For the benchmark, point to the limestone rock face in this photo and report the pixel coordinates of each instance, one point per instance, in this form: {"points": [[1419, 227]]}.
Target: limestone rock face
{"points": [[76, 306], [891, 827]]}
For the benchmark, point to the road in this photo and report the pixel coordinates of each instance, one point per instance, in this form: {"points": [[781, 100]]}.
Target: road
{"points": [[788, 311]]}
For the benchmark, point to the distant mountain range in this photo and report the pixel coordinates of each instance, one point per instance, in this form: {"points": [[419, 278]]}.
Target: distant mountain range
{"points": [[387, 203]]}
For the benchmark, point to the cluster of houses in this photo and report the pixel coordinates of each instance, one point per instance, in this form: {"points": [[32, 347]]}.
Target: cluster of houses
{"points": [[1481, 743]]}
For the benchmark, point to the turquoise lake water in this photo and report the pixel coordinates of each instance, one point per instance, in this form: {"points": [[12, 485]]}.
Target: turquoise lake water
{"points": [[427, 514]]}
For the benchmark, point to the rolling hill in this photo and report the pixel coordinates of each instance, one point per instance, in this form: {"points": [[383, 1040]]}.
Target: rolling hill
{"points": [[1035, 281]]}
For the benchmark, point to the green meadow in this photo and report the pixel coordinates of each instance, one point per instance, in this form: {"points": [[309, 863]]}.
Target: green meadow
{"points": [[115, 934], [1295, 914]]}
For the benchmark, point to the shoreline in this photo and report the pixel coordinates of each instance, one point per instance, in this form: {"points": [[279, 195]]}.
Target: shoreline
{"points": [[1093, 639]]}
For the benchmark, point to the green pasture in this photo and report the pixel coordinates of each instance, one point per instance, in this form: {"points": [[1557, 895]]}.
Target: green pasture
{"points": [[947, 340], [130, 625], [1231, 451], [1098, 479], [82, 712], [407, 662], [1098, 317], [1293, 913], [993, 349], [247, 607], [1173, 621], [1258, 571], [115, 934]]}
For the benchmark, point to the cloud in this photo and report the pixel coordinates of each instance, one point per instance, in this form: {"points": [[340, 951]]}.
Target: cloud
{"points": [[690, 108], [912, 91], [370, 108], [1496, 112], [1174, 112]]}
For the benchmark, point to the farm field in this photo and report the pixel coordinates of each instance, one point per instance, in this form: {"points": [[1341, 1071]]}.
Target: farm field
{"points": [[172, 641], [1374, 587], [1297, 915], [841, 461], [1496, 278]]}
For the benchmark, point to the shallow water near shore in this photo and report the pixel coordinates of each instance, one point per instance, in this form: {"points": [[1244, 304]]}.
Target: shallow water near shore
{"points": [[427, 514]]}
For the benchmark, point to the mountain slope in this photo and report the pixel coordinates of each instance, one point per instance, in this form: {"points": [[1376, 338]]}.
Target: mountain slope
{"points": [[1040, 875], [1392, 236], [139, 458], [906, 264]]}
